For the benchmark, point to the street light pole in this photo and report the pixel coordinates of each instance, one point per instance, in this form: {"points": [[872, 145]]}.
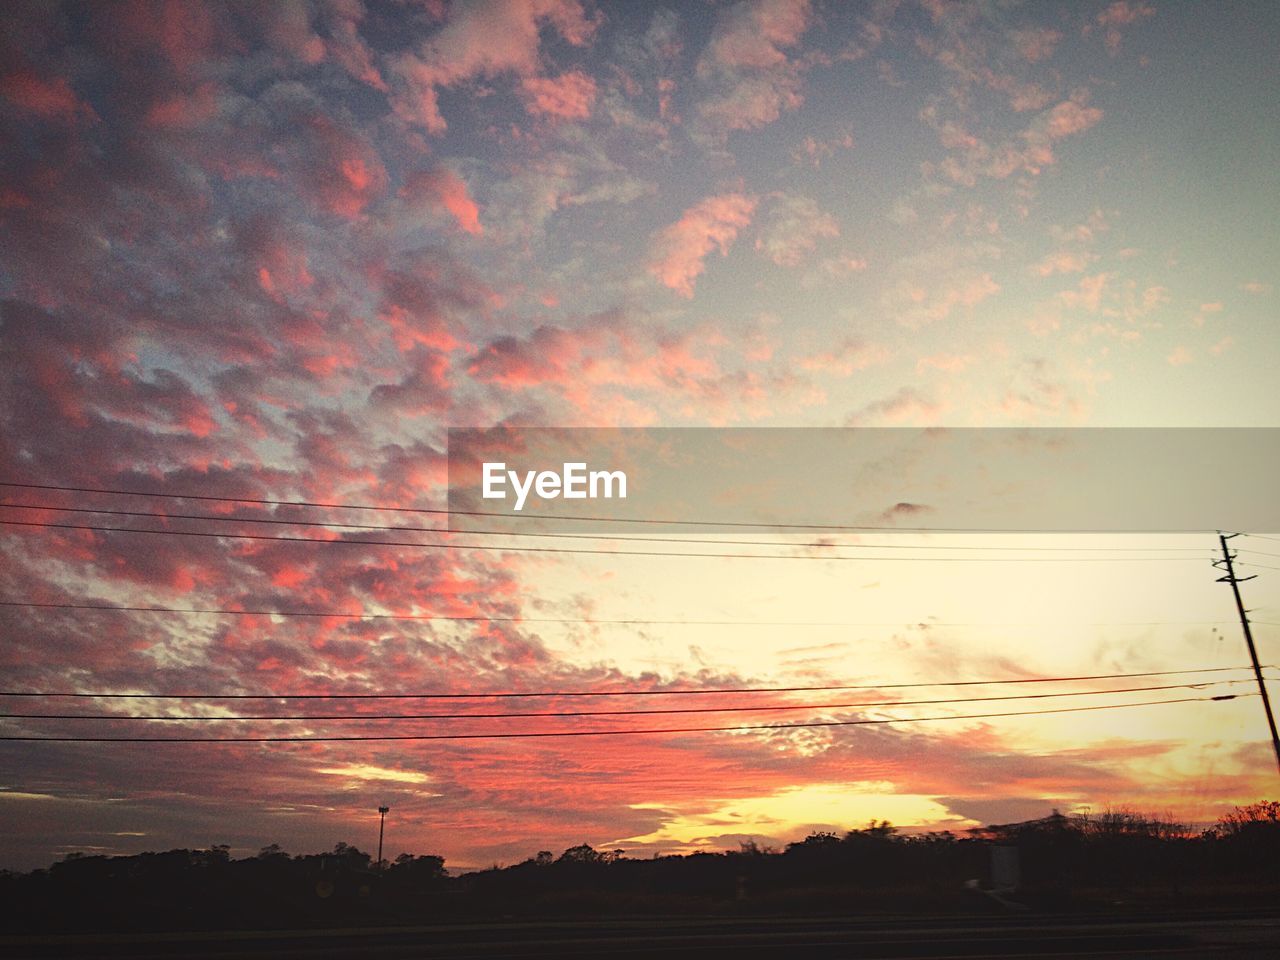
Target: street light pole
{"points": [[382, 822]]}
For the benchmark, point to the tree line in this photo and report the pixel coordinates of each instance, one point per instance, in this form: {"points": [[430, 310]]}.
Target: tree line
{"points": [[1115, 859]]}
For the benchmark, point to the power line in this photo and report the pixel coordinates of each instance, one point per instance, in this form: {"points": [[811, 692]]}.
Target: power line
{"points": [[757, 525], [575, 550], [767, 708], [585, 621], [522, 735], [614, 538], [506, 695], [219, 499]]}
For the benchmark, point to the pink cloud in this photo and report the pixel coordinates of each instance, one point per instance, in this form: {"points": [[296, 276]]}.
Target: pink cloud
{"points": [[1030, 152], [48, 97], [750, 33], [423, 390], [483, 40], [1064, 261], [844, 359], [842, 266], [611, 351], [347, 47], [1070, 117], [1088, 293], [334, 166], [1036, 44], [752, 102], [185, 34], [617, 369], [566, 97], [186, 109], [745, 66], [792, 228], [814, 151], [421, 300], [679, 251], [915, 305], [1180, 356], [1119, 14], [287, 28], [445, 188]]}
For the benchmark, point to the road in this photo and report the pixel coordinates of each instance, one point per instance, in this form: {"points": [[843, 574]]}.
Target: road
{"points": [[677, 938]]}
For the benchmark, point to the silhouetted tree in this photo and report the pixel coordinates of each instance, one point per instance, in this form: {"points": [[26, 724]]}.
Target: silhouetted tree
{"points": [[1255, 820], [582, 853]]}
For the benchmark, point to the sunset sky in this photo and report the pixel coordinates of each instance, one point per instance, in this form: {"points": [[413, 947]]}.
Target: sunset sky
{"points": [[275, 250]]}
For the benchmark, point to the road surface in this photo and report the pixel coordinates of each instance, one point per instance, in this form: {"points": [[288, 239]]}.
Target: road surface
{"points": [[677, 938]]}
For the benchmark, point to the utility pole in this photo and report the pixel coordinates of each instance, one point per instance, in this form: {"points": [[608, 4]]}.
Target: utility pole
{"points": [[1231, 578], [383, 811]]}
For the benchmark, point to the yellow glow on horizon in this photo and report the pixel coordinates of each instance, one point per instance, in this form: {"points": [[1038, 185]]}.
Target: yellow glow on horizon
{"points": [[793, 812], [363, 771]]}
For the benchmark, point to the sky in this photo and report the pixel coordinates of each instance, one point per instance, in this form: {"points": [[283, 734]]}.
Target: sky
{"points": [[275, 251]]}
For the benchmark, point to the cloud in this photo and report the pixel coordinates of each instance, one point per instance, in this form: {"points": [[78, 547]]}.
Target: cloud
{"points": [[947, 362], [1205, 311], [750, 33], [566, 97], [1064, 261], [1088, 293], [328, 161], [842, 266], [814, 152], [745, 68], [1030, 152], [615, 368], [904, 510], [1180, 356], [1067, 118], [483, 40], [678, 252], [1036, 43], [844, 359], [46, 97], [1121, 13], [791, 228], [424, 389], [441, 186], [914, 305], [1037, 392], [905, 406], [362, 772]]}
